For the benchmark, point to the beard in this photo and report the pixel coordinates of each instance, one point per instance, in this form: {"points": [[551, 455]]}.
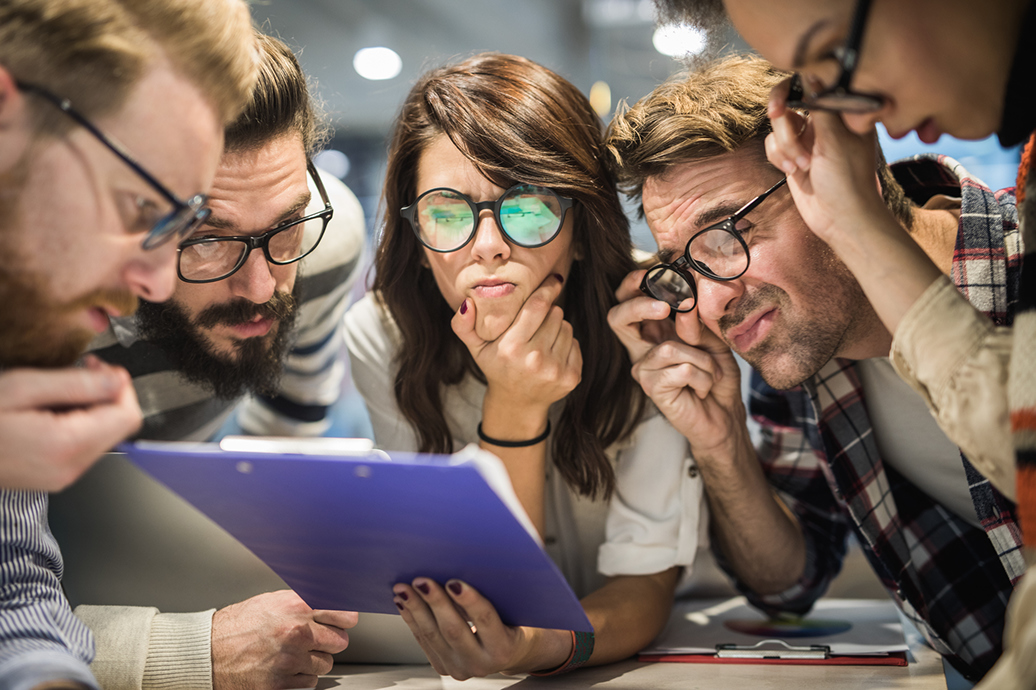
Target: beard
{"points": [[255, 364], [37, 331], [798, 345]]}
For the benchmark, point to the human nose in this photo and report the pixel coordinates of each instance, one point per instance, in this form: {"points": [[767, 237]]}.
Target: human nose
{"points": [[254, 281], [863, 123], [717, 297], [489, 242], [151, 274]]}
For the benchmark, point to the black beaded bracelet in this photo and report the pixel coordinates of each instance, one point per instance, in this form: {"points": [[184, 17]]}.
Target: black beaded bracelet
{"points": [[514, 444]]}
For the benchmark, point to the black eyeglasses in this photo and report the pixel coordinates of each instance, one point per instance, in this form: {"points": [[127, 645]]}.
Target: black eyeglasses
{"points": [[208, 259], [840, 98], [718, 252], [179, 222], [445, 220]]}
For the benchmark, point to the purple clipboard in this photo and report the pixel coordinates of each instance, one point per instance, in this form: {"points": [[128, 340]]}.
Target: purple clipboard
{"points": [[342, 529]]}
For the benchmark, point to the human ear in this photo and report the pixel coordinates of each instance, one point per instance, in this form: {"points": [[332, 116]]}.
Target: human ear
{"points": [[15, 129]]}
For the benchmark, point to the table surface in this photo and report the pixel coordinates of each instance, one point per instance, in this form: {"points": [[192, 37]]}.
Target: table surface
{"points": [[925, 672]]}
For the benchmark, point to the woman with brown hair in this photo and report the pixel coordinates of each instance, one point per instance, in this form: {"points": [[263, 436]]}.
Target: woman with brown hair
{"points": [[502, 247]]}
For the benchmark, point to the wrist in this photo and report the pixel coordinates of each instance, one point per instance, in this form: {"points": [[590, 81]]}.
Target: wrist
{"points": [[513, 422], [543, 648]]}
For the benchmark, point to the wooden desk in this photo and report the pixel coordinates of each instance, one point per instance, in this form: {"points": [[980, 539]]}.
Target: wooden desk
{"points": [[925, 672]]}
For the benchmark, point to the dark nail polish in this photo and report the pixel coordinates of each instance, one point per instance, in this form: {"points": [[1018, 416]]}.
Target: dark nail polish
{"points": [[423, 588], [464, 307], [404, 596], [398, 605], [455, 588], [561, 278]]}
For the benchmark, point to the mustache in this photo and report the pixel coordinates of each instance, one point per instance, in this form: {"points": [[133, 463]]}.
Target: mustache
{"points": [[763, 295], [279, 307], [121, 301]]}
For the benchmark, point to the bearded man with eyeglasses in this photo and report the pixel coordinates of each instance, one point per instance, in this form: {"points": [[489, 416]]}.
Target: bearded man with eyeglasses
{"points": [[846, 445]]}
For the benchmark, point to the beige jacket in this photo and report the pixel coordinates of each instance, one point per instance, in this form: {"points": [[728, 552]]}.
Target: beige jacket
{"points": [[953, 355]]}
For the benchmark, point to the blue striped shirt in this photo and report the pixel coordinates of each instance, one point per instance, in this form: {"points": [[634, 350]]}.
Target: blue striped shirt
{"points": [[40, 639]]}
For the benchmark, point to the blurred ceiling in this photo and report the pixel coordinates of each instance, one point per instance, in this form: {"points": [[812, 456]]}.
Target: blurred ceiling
{"points": [[583, 40]]}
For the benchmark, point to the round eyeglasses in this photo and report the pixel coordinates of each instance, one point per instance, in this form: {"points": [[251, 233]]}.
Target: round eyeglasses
{"points": [[445, 220], [718, 252], [840, 98], [208, 259]]}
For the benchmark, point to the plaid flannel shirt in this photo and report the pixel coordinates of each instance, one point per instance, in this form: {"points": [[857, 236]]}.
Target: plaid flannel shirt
{"points": [[818, 451]]}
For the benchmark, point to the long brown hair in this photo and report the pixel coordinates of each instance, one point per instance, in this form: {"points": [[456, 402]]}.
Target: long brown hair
{"points": [[517, 122]]}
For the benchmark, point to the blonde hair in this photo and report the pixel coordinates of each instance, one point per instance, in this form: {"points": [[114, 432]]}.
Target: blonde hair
{"points": [[93, 51]]}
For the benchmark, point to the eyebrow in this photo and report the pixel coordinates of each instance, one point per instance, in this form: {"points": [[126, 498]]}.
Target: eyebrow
{"points": [[716, 214], [802, 47], [301, 202]]}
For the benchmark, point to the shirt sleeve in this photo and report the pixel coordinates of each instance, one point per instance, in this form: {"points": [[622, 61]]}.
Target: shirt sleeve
{"points": [[655, 512], [957, 360], [371, 352], [315, 366], [796, 475], [139, 648], [40, 639]]}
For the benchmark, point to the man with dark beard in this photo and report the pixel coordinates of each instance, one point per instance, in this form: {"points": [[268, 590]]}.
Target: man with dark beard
{"points": [[262, 288], [846, 444], [242, 319]]}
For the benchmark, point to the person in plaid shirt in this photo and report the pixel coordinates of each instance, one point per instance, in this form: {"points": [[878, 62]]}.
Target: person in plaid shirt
{"points": [[846, 445]]}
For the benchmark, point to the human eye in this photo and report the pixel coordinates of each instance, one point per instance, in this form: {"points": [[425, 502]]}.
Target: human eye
{"points": [[140, 214]]}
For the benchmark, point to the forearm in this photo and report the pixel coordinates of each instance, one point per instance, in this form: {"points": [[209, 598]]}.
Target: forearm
{"points": [[526, 466], [760, 539], [628, 613]]}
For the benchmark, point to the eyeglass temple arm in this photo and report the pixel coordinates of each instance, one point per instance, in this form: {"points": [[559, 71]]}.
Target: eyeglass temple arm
{"points": [[852, 43], [65, 106], [747, 208]]}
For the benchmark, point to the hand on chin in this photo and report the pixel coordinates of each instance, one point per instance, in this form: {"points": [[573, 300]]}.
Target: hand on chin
{"points": [[492, 322]]}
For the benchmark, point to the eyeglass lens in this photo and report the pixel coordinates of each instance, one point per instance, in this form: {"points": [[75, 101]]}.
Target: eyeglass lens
{"points": [[666, 284], [218, 258], [530, 216]]}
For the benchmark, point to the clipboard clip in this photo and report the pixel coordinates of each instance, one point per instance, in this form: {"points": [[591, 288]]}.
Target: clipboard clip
{"points": [[772, 649]]}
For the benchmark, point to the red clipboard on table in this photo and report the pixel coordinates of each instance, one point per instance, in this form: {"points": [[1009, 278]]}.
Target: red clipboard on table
{"points": [[837, 632], [341, 522]]}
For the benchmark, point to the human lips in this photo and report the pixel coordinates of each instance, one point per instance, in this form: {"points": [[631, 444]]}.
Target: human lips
{"points": [[928, 131], [100, 315], [751, 330], [257, 327], [493, 288]]}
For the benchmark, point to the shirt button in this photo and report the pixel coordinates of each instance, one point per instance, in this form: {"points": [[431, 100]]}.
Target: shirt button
{"points": [[692, 471]]}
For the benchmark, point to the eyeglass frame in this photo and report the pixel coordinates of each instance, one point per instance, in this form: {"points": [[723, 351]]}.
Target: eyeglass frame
{"points": [[685, 260], [410, 212], [263, 241], [153, 239], [848, 60]]}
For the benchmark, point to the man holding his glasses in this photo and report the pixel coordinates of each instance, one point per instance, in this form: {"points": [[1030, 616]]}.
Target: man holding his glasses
{"points": [[258, 308], [846, 445], [111, 117]]}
